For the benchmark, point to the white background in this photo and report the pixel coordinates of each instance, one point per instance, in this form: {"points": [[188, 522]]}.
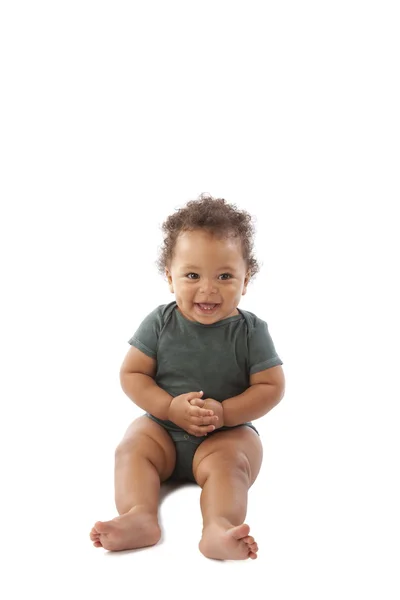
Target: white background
{"points": [[114, 114]]}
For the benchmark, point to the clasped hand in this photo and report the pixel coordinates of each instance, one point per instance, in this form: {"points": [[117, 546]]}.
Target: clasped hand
{"points": [[195, 415]]}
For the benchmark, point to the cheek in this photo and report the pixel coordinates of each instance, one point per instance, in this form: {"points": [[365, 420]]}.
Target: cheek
{"points": [[185, 291]]}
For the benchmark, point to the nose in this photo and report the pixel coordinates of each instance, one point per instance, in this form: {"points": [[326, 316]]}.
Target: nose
{"points": [[208, 286]]}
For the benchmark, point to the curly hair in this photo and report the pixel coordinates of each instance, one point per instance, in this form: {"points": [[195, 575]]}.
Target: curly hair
{"points": [[216, 216]]}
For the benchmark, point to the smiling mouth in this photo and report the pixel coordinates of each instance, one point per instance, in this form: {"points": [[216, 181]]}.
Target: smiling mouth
{"points": [[206, 307]]}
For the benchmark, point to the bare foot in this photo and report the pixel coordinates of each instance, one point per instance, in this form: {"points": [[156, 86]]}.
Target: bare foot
{"points": [[128, 531], [224, 543]]}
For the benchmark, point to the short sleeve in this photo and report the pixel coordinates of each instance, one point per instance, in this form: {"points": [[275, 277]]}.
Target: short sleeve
{"points": [[146, 336], [262, 353]]}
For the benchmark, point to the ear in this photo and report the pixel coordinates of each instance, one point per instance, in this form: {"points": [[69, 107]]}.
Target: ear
{"points": [[169, 277], [246, 283]]}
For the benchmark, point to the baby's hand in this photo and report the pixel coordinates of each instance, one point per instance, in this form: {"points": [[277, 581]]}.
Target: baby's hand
{"points": [[193, 418], [213, 405]]}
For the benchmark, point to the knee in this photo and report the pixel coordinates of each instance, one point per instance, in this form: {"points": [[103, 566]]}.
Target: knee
{"points": [[125, 447], [241, 465], [234, 463]]}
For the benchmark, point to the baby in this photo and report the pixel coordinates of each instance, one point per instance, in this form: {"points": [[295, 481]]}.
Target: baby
{"points": [[202, 370]]}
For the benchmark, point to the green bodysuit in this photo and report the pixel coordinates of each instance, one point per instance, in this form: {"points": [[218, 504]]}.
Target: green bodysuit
{"points": [[217, 358]]}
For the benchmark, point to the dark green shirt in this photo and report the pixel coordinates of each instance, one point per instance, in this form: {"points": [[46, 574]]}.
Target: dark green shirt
{"points": [[217, 358]]}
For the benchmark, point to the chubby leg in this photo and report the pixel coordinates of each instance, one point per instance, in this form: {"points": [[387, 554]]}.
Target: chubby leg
{"points": [[225, 466], [144, 458]]}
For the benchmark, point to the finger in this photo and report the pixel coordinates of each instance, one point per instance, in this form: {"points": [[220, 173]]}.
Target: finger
{"points": [[197, 402], [202, 419], [204, 430], [192, 395], [199, 421], [201, 433], [196, 411]]}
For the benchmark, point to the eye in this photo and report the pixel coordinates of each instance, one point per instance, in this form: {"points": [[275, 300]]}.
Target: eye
{"points": [[188, 275]]}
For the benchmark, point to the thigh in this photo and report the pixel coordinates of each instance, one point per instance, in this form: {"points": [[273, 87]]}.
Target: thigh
{"points": [[152, 441], [239, 447]]}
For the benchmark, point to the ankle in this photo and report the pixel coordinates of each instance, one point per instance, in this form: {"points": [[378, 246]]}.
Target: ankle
{"points": [[218, 521], [144, 509]]}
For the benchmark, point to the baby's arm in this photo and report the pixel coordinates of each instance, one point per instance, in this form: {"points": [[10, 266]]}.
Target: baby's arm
{"points": [[266, 390], [137, 381]]}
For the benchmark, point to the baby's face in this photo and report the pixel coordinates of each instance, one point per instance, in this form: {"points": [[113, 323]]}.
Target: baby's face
{"points": [[205, 269]]}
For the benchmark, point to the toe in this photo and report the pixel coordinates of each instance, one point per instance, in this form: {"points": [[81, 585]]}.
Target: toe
{"points": [[241, 531], [94, 535], [101, 527], [249, 539]]}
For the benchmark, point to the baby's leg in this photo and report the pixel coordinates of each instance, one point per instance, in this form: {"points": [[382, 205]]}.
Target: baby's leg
{"points": [[225, 466], [144, 458]]}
